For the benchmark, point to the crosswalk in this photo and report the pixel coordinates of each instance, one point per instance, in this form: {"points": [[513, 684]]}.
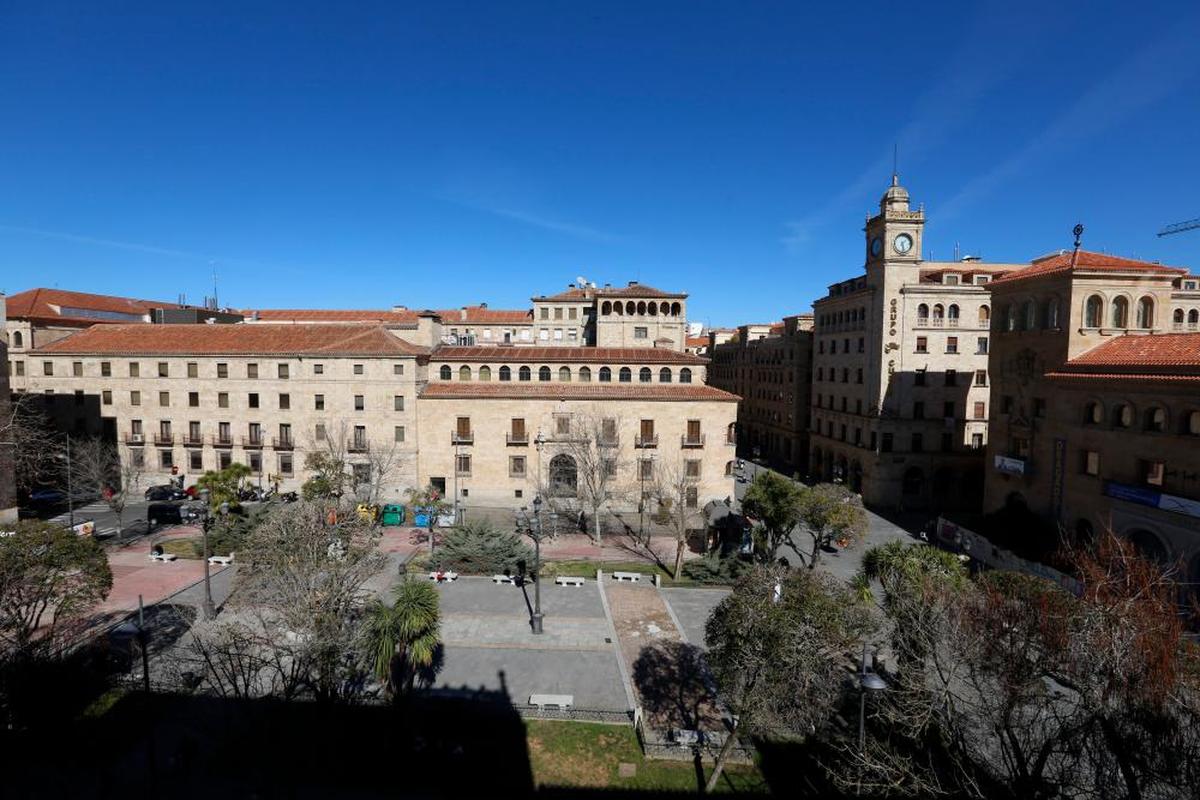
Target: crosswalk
{"points": [[87, 512]]}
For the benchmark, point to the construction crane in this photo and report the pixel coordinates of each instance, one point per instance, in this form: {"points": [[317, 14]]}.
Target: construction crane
{"points": [[1180, 227]]}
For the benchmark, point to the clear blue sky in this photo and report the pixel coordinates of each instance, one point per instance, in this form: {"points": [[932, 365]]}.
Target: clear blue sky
{"points": [[359, 155]]}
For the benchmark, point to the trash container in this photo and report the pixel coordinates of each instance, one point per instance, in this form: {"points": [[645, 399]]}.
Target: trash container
{"points": [[393, 514], [367, 513]]}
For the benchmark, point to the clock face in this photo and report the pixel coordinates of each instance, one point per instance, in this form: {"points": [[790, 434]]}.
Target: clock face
{"points": [[903, 243], [876, 246]]}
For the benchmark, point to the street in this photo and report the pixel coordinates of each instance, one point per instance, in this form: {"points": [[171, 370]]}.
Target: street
{"points": [[133, 518]]}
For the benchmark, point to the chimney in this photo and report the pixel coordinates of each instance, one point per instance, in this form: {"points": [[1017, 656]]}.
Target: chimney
{"points": [[633, 283], [483, 305], [570, 286]]}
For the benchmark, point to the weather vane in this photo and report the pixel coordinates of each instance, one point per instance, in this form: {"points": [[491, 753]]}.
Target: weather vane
{"points": [[1078, 231]]}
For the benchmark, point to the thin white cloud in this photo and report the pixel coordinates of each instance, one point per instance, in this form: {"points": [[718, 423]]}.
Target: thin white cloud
{"points": [[80, 239], [568, 228]]}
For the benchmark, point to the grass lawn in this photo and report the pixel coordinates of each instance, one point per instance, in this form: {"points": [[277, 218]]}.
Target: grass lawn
{"points": [[588, 754], [184, 548]]}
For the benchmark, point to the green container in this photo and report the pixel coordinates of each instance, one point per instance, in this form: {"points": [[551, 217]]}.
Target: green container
{"points": [[393, 514]]}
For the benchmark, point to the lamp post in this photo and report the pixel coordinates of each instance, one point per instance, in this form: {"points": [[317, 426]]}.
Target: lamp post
{"points": [[210, 608], [537, 563], [456, 457], [867, 682], [539, 441]]}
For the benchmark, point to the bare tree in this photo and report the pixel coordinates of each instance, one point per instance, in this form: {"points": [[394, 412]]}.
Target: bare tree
{"points": [[97, 468], [591, 442], [26, 429], [345, 461], [674, 488]]}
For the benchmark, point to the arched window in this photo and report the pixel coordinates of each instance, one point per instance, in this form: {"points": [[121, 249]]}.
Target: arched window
{"points": [[952, 315], [618, 308], [1122, 415], [1050, 315], [524, 374], [605, 375], [1010, 318], [464, 373], [563, 476], [1193, 318], [444, 373], [922, 314], [625, 375], [652, 309], [585, 375], [676, 309], [664, 308], [1145, 312], [564, 374], [645, 375], [938, 313], [505, 374], [985, 316], [1191, 423], [485, 373], [729, 467], [1093, 413], [1177, 317], [1120, 313], [664, 375], [606, 308], [543, 374], [1092, 311], [1155, 420], [18, 340], [1028, 316], [685, 375], [630, 308]]}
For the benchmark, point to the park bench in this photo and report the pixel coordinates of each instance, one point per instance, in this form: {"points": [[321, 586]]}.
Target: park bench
{"points": [[497, 579], [563, 701], [163, 556], [569, 580], [687, 738], [222, 560], [444, 577], [627, 576]]}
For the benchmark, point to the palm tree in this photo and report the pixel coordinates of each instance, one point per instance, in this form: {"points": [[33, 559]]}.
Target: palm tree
{"points": [[402, 638]]}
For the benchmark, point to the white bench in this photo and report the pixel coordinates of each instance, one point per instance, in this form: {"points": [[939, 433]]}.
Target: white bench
{"points": [[684, 737], [567, 580], [563, 701], [163, 556], [222, 560], [443, 577], [498, 579], [627, 576]]}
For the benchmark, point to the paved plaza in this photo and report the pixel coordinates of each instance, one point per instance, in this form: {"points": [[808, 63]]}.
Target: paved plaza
{"points": [[691, 608]]}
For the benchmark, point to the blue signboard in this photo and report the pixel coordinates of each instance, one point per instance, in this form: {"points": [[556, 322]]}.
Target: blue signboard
{"points": [[1149, 497]]}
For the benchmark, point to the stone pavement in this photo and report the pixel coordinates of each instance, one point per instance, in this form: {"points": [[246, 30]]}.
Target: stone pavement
{"points": [[135, 574], [692, 608]]}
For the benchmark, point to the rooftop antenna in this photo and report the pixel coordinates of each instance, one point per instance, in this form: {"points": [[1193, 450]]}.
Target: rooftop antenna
{"points": [[895, 163], [213, 264], [1078, 231]]}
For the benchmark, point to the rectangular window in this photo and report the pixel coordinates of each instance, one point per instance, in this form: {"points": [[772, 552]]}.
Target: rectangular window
{"points": [[196, 460], [918, 443], [516, 466], [981, 345], [135, 369], [1091, 462], [462, 465], [692, 468], [398, 433], [358, 369], [137, 457], [106, 369], [319, 432], [20, 365], [562, 424], [543, 333], [285, 464], [645, 469], [164, 369], [254, 461], [693, 432], [255, 431], [558, 312], [572, 313], [47, 367], [359, 403], [224, 459], [948, 409], [77, 369], [951, 377], [319, 402], [222, 399], [398, 403], [462, 427], [193, 369], [976, 440], [193, 399], [164, 398], [919, 378], [647, 429], [1019, 446], [318, 369], [980, 410], [922, 344], [691, 497], [252, 399], [222, 370], [608, 430], [285, 402], [283, 372], [252, 370], [397, 369], [947, 441], [641, 333], [106, 397], [166, 459], [951, 344], [1151, 472], [1006, 404], [981, 377], [545, 312], [918, 410], [1039, 406], [135, 398]]}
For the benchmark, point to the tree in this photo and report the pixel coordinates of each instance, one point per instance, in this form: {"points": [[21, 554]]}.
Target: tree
{"points": [[97, 468], [777, 648], [223, 486], [672, 487], [341, 461], [774, 501], [432, 501], [591, 441], [27, 431], [50, 578], [831, 513], [477, 548], [401, 639]]}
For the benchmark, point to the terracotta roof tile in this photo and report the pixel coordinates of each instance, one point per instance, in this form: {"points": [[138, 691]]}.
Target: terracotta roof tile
{"points": [[449, 390], [636, 290], [331, 340], [49, 304], [482, 315], [1087, 261], [332, 315], [516, 355], [697, 341], [1163, 350], [1136, 377], [573, 293]]}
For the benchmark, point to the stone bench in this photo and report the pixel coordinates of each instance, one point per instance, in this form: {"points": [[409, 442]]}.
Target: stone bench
{"points": [[224, 561], [569, 580], [444, 577], [163, 556], [627, 576], [510, 579], [562, 701]]}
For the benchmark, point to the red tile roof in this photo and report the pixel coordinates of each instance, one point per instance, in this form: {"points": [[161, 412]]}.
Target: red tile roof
{"points": [[482, 315], [329, 340], [574, 293], [1135, 377], [333, 315], [636, 290], [1157, 351], [517, 355], [48, 304], [697, 341], [1086, 261], [453, 390]]}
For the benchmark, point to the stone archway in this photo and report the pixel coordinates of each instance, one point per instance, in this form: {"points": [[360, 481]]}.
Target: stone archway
{"points": [[1148, 545], [564, 476]]}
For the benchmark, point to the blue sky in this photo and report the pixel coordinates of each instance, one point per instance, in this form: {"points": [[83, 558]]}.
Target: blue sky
{"points": [[359, 155]]}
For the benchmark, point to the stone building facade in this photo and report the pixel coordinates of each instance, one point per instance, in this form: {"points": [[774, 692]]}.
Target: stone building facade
{"points": [[8, 482], [900, 370], [770, 368], [1095, 417]]}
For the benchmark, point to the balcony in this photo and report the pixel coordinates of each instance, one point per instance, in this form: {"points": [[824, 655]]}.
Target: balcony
{"points": [[517, 439], [137, 439], [608, 441], [254, 442], [462, 437], [686, 441], [164, 439], [190, 440], [221, 441], [645, 441], [358, 446], [283, 443]]}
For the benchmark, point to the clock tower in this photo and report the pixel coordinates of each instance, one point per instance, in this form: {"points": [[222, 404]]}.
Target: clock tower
{"points": [[894, 235]]}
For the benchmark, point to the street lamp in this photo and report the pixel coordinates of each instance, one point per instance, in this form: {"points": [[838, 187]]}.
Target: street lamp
{"points": [[537, 563], [539, 441], [642, 496], [210, 608], [867, 682]]}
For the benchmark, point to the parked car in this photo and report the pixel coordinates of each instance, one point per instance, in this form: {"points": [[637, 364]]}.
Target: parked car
{"points": [[174, 513], [165, 492]]}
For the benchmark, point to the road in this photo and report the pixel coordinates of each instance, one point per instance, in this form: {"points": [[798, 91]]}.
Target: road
{"points": [[844, 563], [133, 517]]}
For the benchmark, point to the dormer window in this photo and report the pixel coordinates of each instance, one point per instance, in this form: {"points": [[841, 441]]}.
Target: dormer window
{"points": [[950, 280], [982, 279]]}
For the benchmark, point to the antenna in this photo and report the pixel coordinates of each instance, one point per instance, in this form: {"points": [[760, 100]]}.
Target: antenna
{"points": [[895, 161], [213, 264]]}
